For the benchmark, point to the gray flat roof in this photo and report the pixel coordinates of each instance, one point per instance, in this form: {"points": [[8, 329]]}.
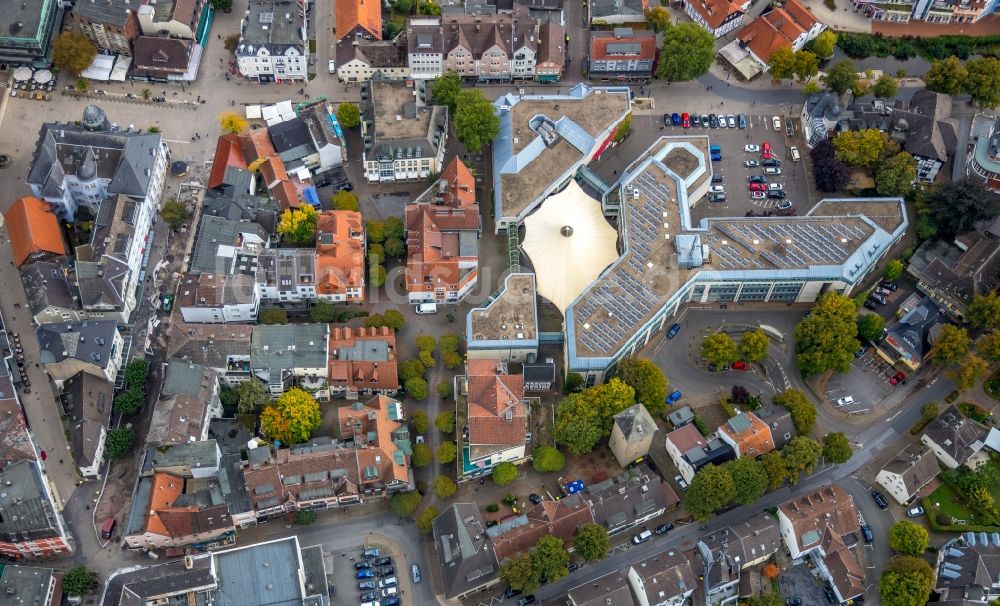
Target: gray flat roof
{"points": [[265, 574], [25, 586]]}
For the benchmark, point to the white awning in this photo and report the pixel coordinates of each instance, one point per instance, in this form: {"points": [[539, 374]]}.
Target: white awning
{"points": [[569, 243], [100, 68], [120, 71]]}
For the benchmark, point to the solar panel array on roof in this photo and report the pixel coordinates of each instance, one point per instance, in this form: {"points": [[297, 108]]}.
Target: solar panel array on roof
{"points": [[624, 48], [785, 244]]}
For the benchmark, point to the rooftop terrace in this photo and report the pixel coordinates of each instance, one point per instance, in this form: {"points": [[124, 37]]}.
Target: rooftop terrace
{"points": [[396, 113], [510, 314], [592, 113]]}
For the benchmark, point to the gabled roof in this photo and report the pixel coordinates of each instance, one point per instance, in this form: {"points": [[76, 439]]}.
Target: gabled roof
{"points": [[752, 435], [714, 12], [465, 555], [340, 255], [519, 533], [33, 228], [830, 507], [916, 465], [364, 13], [228, 152], [89, 398], [551, 43], [363, 358], [636, 45], [956, 435], [496, 414], [157, 54]]}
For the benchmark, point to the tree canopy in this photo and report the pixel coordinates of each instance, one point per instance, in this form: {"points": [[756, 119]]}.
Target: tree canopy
{"points": [[749, 478], [297, 226], [870, 326], [950, 345], [345, 200], [970, 371], [983, 81], [592, 542], [885, 87], [801, 455], [829, 173], [519, 572], [801, 408], [118, 442], [774, 467], [393, 318], [348, 115], [232, 123], [895, 176], [425, 519], [78, 581], [908, 538], [504, 473], [827, 339], [445, 422], [719, 348], [421, 456], [687, 52], [753, 346], [837, 448], [786, 64], [646, 379], [253, 396], [291, 417], [550, 558], [658, 18], [957, 206], [711, 489], [860, 147], [476, 122], [906, 581], [174, 213], [73, 52], [547, 459], [444, 90], [946, 76], [446, 452], [824, 44], [584, 418], [444, 487], [988, 346], [843, 76], [984, 311], [893, 269]]}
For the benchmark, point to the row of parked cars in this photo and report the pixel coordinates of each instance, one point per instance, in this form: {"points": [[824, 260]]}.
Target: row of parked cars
{"points": [[377, 580], [879, 295]]}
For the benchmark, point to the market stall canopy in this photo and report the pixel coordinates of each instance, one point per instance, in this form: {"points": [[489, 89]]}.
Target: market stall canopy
{"points": [[22, 74], [43, 76], [569, 243]]}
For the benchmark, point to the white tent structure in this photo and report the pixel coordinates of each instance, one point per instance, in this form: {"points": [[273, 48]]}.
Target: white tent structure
{"points": [[569, 243]]}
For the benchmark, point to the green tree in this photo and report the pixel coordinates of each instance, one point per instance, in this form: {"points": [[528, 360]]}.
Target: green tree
{"points": [[870, 327], [584, 418], [957, 206], [376, 254], [253, 396], [550, 558], [711, 489], [547, 458], [395, 248], [394, 227], [323, 312], [946, 76], [687, 52], [452, 360], [476, 122], [764, 599], [272, 316], [377, 275], [136, 372], [906, 581], [444, 487], [519, 572], [827, 339], [444, 390], [782, 64], [445, 422], [375, 230], [425, 343], [446, 452], [228, 397], [291, 417], [800, 406], [749, 478], [118, 442], [988, 346], [445, 90], [811, 88], [573, 382], [719, 348], [983, 81], [417, 388], [774, 467], [449, 342], [896, 175], [82, 84], [297, 226], [421, 456], [222, 5], [928, 411], [592, 542], [806, 65], [131, 400], [232, 41], [860, 147], [348, 115], [893, 269], [843, 76], [885, 87], [753, 346], [304, 518], [658, 19], [420, 422], [646, 379], [950, 345], [411, 369], [801, 455], [984, 311], [78, 581], [73, 52], [345, 200], [908, 538], [504, 473], [970, 371], [174, 213], [425, 519], [837, 448], [824, 44]]}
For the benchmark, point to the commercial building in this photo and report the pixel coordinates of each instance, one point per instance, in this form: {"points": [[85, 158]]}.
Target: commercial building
{"points": [[951, 273], [218, 298], [171, 510], [111, 25], [291, 355], [790, 26], [984, 159], [340, 256], [225, 348], [87, 399], [404, 135], [29, 585], [622, 54], [361, 60], [490, 402], [188, 401], [66, 348], [617, 12], [287, 275], [717, 16], [496, 49], [51, 296], [505, 327], [931, 11], [425, 47], [363, 362], [28, 30], [272, 46], [35, 234]]}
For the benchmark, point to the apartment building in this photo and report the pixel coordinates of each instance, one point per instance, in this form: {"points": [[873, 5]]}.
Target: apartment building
{"points": [[363, 362], [340, 256], [272, 46]]}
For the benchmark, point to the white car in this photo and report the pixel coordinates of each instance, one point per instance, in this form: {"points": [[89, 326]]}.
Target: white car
{"points": [[751, 163], [757, 195], [777, 123], [332, 67], [845, 401], [680, 482], [915, 512], [717, 189], [775, 186], [795, 153], [731, 119], [750, 148], [772, 170], [784, 205]]}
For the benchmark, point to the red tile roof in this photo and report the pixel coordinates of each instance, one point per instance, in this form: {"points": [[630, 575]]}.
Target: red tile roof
{"points": [[755, 440], [800, 14], [166, 489], [558, 518], [777, 29], [714, 12], [228, 152], [256, 145], [357, 421], [830, 507], [366, 13], [33, 228], [340, 255], [496, 404], [599, 41], [359, 375]]}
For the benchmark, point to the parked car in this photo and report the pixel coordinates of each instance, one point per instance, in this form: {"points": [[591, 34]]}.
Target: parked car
{"points": [[385, 571], [362, 564], [890, 285], [897, 378], [704, 121], [915, 512], [371, 552], [870, 305], [369, 596], [717, 189], [757, 195], [877, 297], [382, 561], [528, 599], [364, 573], [775, 186], [681, 482], [534, 498], [784, 205], [845, 401], [765, 151], [880, 500], [716, 178], [685, 120], [393, 601], [776, 121], [573, 567], [757, 179], [713, 120], [869, 535], [795, 154], [511, 592], [390, 582], [750, 148], [751, 163], [415, 573], [716, 197], [696, 119], [861, 352], [673, 331], [664, 528], [731, 121], [713, 367], [757, 187], [389, 591], [742, 121], [740, 365], [772, 170], [776, 194], [772, 162], [673, 397], [366, 585], [642, 537], [793, 602]]}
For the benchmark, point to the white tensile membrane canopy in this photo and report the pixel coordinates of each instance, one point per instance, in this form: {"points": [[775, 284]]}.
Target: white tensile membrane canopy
{"points": [[569, 243]]}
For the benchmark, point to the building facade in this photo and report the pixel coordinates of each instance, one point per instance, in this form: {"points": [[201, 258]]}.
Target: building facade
{"points": [[272, 46]]}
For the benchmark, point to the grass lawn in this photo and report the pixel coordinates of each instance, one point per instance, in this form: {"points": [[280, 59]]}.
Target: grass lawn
{"points": [[950, 503]]}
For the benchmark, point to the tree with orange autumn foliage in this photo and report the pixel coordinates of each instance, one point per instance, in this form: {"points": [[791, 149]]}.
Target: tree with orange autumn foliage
{"points": [[292, 417]]}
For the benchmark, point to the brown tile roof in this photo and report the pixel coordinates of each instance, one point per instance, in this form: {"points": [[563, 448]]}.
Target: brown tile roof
{"points": [[373, 436], [15, 443], [558, 518], [665, 576], [166, 489], [272, 171], [754, 437], [282, 477], [686, 438], [192, 520], [227, 153], [349, 365], [184, 11], [496, 404], [366, 13], [156, 54], [551, 44], [845, 571], [33, 228], [777, 29], [714, 12], [257, 145], [830, 507], [599, 41], [287, 195], [340, 255]]}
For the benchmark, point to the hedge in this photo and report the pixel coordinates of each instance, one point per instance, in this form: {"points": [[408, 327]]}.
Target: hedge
{"points": [[860, 46]]}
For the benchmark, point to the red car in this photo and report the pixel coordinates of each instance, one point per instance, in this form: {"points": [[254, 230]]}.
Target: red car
{"points": [[740, 365], [757, 187], [765, 151], [685, 120], [896, 378]]}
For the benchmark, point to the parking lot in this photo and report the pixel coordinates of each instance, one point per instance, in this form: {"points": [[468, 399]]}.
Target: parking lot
{"points": [[387, 581], [799, 582], [734, 173]]}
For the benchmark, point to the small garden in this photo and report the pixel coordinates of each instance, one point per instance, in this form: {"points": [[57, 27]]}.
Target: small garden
{"points": [[966, 499]]}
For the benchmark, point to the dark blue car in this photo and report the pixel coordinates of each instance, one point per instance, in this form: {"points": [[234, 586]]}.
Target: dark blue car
{"points": [[366, 573], [673, 331], [676, 119]]}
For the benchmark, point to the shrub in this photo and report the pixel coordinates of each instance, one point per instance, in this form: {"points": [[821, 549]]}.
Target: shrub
{"points": [[493, 508], [304, 518]]}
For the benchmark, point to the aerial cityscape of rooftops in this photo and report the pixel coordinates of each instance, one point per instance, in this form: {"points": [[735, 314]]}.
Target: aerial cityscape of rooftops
{"points": [[499, 302]]}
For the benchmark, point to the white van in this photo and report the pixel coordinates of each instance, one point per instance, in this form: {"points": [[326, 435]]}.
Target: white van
{"points": [[389, 592], [389, 582], [426, 308]]}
